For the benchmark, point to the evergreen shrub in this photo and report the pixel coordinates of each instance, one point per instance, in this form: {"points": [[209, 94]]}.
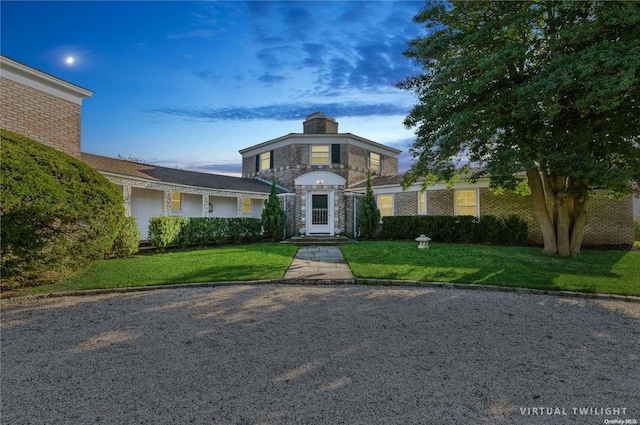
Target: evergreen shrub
{"points": [[184, 232], [441, 228], [128, 239], [165, 231], [57, 213], [273, 216]]}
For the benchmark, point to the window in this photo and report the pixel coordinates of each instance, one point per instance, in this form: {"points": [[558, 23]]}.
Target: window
{"points": [[176, 201], [265, 161], [467, 202], [385, 205], [375, 162], [422, 202], [320, 154], [246, 205]]}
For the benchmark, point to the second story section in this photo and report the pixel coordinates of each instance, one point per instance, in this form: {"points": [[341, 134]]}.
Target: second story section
{"points": [[40, 106], [319, 147]]}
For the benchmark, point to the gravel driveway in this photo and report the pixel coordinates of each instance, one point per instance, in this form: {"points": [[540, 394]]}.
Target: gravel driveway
{"points": [[277, 354]]}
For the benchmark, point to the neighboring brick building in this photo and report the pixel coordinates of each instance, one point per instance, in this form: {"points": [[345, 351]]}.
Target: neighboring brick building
{"points": [[41, 106]]}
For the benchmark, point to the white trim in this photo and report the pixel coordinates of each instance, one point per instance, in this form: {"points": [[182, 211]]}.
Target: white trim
{"points": [[393, 202], [455, 200], [331, 208], [424, 204], [31, 77], [319, 178]]}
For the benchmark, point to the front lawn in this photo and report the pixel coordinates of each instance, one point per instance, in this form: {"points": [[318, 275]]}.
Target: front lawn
{"points": [[615, 272], [225, 263]]}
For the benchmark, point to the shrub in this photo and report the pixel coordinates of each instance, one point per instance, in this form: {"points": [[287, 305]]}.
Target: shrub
{"points": [[512, 230], [490, 229], [516, 230], [244, 229], [466, 228], [369, 215], [165, 231], [197, 231], [57, 212], [184, 232], [128, 239], [273, 216]]}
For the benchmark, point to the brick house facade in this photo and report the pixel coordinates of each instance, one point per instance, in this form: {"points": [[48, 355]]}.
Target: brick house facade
{"points": [[321, 173], [318, 166], [41, 106]]}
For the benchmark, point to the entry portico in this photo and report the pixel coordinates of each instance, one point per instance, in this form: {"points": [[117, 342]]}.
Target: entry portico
{"points": [[319, 198]]}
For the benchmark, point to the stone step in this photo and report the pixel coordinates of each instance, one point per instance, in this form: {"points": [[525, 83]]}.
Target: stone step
{"points": [[318, 240]]}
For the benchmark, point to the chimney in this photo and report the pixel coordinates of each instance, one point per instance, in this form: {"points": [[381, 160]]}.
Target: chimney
{"points": [[319, 123]]}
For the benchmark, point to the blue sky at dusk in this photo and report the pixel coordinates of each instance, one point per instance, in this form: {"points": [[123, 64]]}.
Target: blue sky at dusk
{"points": [[188, 84]]}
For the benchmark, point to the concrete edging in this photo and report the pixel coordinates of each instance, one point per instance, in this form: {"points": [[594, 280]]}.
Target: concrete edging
{"points": [[316, 282]]}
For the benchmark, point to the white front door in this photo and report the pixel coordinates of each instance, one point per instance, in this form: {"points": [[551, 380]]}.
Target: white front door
{"points": [[320, 213]]}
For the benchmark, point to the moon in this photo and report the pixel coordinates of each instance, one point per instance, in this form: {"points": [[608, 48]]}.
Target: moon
{"points": [[69, 60]]}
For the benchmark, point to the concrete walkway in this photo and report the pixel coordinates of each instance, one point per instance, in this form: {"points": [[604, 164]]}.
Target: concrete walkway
{"points": [[321, 264]]}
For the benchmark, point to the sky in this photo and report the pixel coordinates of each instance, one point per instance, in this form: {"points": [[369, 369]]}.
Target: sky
{"points": [[188, 84]]}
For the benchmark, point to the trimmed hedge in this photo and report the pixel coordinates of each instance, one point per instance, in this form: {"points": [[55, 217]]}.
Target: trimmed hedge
{"points": [[487, 229], [57, 213], [184, 232], [128, 239]]}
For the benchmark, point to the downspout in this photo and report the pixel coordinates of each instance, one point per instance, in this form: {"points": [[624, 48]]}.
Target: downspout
{"points": [[284, 229], [355, 227]]}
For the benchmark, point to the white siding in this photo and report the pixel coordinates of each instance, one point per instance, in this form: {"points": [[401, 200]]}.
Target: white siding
{"points": [[223, 207], [146, 203]]}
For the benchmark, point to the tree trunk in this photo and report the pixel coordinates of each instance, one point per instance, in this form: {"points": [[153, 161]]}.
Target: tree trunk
{"points": [[540, 211], [579, 222], [562, 214]]}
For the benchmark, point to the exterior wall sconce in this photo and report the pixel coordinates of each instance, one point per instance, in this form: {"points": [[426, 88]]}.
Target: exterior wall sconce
{"points": [[320, 182], [423, 242]]}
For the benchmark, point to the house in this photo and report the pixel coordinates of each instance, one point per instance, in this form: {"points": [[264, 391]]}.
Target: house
{"points": [[318, 167], [320, 173]]}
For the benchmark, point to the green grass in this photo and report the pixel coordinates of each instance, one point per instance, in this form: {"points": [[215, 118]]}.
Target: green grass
{"points": [[226, 263], [615, 272]]}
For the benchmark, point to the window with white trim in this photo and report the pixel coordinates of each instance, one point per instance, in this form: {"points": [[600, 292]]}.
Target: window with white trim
{"points": [[422, 202], [466, 202], [385, 205], [320, 154], [176, 201]]}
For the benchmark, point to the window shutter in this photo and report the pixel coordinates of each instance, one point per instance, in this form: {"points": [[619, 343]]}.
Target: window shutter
{"points": [[335, 153], [271, 160], [257, 163]]}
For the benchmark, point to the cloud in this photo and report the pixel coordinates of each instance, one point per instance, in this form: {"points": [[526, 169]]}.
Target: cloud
{"points": [[198, 33], [207, 75], [285, 112], [268, 78]]}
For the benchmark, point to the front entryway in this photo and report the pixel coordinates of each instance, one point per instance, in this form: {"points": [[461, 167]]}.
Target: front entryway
{"points": [[319, 216]]}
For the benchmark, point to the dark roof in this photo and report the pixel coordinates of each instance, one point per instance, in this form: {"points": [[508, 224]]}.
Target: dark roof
{"points": [[174, 175], [397, 180], [379, 181]]}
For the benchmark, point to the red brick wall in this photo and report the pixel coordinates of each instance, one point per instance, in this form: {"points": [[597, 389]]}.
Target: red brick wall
{"points": [[41, 116]]}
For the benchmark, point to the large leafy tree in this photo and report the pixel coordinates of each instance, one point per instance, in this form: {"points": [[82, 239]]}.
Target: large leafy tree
{"points": [[546, 90]]}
